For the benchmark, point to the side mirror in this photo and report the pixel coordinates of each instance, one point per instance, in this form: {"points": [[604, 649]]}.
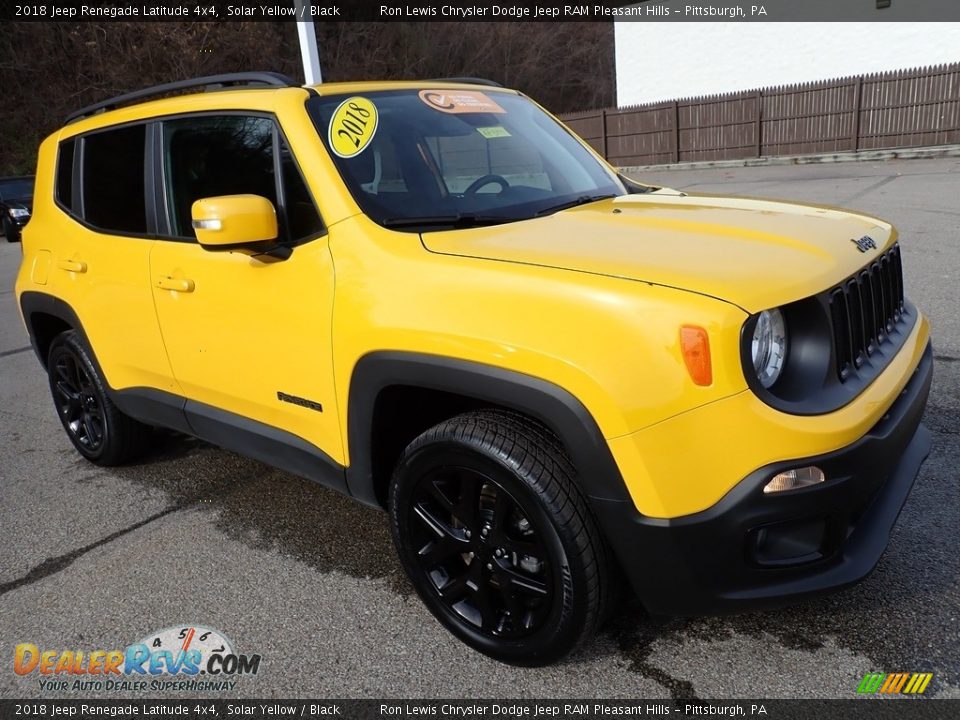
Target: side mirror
{"points": [[233, 220]]}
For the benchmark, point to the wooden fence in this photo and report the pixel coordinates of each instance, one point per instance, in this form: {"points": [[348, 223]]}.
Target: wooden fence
{"points": [[907, 108]]}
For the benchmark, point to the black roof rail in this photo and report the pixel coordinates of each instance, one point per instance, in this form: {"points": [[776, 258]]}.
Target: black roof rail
{"points": [[468, 81], [228, 80]]}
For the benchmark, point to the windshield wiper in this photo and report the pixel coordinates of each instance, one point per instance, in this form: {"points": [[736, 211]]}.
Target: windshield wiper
{"points": [[459, 220], [582, 200]]}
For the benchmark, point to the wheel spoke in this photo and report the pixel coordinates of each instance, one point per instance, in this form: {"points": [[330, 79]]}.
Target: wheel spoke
{"points": [[454, 589], [521, 547], [90, 435], [64, 372], [483, 601], [437, 494], [71, 373], [510, 599], [437, 551], [96, 425], [480, 595], [467, 509], [502, 506], [83, 382], [429, 518], [522, 582], [73, 414], [67, 392]]}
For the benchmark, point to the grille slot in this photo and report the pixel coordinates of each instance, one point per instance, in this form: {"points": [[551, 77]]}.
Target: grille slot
{"points": [[864, 311]]}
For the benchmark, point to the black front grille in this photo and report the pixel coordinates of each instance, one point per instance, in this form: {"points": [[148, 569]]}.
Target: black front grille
{"points": [[864, 311]]}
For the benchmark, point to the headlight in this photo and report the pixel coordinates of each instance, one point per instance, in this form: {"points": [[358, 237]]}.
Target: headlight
{"points": [[19, 213], [769, 346]]}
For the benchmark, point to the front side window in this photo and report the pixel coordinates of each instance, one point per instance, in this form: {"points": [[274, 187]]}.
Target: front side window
{"points": [[420, 158], [113, 180], [208, 156]]}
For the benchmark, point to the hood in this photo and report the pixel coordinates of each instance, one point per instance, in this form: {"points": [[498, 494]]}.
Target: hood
{"points": [[756, 254]]}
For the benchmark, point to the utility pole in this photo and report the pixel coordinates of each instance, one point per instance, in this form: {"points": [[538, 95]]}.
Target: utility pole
{"points": [[308, 43]]}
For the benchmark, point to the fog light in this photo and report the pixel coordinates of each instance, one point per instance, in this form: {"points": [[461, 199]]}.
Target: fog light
{"points": [[795, 479]]}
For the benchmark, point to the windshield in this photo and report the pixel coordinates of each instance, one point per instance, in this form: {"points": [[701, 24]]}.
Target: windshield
{"points": [[431, 159], [16, 188]]}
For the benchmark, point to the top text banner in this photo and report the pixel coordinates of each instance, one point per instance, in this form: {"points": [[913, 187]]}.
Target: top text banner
{"points": [[484, 11]]}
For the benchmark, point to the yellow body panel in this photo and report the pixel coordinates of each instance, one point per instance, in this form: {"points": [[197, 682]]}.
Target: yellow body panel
{"points": [[613, 344], [590, 299]]}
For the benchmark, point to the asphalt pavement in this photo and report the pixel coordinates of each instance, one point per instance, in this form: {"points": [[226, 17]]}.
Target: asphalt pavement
{"points": [[96, 558]]}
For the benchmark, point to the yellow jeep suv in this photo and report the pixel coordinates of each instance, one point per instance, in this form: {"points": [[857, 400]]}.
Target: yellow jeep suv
{"points": [[433, 297]]}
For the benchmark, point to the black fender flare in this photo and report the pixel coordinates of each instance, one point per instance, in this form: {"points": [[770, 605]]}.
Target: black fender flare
{"points": [[597, 473], [33, 302]]}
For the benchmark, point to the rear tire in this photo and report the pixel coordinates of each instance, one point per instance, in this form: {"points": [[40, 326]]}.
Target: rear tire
{"points": [[497, 539], [96, 427]]}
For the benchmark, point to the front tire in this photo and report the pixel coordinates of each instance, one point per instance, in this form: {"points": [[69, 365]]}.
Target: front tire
{"points": [[497, 539], [96, 427]]}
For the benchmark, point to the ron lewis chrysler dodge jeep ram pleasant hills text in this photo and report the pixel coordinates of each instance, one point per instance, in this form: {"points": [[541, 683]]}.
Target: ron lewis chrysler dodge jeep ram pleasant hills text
{"points": [[433, 297]]}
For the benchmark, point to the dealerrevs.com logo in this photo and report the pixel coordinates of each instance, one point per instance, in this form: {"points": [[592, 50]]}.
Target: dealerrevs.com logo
{"points": [[185, 657]]}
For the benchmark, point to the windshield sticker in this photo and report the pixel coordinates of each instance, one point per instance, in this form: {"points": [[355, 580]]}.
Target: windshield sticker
{"points": [[493, 132], [460, 101], [352, 127]]}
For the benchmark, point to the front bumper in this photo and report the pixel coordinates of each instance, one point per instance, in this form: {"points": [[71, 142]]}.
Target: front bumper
{"points": [[751, 550]]}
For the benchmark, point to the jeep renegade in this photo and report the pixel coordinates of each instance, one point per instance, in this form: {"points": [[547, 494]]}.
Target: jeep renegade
{"points": [[433, 297]]}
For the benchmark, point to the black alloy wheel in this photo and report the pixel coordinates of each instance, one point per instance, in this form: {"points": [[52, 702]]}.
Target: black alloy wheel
{"points": [[77, 402], [497, 539], [96, 427], [480, 552]]}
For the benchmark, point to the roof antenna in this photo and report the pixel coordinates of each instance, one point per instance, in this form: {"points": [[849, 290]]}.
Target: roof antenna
{"points": [[308, 43]]}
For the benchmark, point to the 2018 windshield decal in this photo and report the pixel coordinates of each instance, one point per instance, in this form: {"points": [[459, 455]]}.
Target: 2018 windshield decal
{"points": [[352, 127]]}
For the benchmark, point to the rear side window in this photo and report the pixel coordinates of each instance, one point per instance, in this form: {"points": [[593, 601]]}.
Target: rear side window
{"points": [[113, 180], [65, 173]]}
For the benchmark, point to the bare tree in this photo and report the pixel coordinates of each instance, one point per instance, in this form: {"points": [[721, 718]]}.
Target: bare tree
{"points": [[50, 69]]}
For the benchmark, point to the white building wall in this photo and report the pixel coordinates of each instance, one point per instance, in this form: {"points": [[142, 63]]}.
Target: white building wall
{"points": [[668, 60]]}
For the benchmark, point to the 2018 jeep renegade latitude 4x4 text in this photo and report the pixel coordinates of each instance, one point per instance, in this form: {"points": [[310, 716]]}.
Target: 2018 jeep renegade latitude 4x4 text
{"points": [[433, 297]]}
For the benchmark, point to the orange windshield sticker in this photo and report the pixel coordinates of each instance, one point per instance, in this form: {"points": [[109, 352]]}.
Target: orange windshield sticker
{"points": [[460, 101]]}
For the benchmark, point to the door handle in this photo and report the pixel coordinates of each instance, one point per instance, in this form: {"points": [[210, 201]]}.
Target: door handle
{"points": [[76, 266], [178, 284]]}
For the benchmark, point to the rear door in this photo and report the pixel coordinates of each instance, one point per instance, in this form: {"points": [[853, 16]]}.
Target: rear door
{"points": [[101, 248], [246, 334]]}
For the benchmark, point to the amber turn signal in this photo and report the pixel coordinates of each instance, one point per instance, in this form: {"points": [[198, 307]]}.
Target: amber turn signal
{"points": [[695, 346]]}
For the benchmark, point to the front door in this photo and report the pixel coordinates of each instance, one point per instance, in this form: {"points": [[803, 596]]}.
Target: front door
{"points": [[246, 334]]}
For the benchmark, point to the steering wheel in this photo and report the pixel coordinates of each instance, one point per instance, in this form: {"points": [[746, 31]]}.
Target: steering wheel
{"points": [[485, 180]]}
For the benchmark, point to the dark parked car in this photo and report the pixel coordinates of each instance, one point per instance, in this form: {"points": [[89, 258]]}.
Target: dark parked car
{"points": [[16, 204]]}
